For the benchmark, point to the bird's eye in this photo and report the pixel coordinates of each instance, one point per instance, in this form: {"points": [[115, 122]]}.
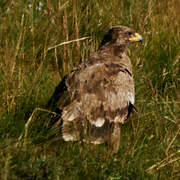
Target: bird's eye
{"points": [[130, 33]]}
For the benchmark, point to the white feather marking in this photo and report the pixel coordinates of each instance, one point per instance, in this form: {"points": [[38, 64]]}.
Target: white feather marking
{"points": [[71, 112], [99, 122], [71, 117], [123, 55], [67, 116], [131, 97]]}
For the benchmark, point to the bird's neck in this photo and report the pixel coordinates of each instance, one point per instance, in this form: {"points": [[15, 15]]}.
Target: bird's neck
{"points": [[119, 50], [113, 49], [115, 54]]}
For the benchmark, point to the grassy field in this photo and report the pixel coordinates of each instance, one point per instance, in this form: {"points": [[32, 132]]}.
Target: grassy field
{"points": [[33, 61]]}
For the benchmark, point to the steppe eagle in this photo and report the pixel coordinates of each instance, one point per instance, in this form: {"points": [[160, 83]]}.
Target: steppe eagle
{"points": [[97, 97]]}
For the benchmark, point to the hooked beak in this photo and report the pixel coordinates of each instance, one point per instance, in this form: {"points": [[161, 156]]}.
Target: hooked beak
{"points": [[136, 38]]}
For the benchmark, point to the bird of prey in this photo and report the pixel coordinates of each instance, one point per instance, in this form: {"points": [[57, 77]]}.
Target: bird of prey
{"points": [[97, 97]]}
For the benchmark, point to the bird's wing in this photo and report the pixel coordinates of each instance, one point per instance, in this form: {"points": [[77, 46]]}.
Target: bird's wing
{"points": [[100, 91], [62, 95]]}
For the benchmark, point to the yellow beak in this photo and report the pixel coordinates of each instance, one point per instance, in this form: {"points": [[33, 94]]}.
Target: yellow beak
{"points": [[136, 38]]}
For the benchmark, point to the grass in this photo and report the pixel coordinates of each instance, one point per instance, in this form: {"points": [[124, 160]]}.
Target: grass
{"points": [[31, 65]]}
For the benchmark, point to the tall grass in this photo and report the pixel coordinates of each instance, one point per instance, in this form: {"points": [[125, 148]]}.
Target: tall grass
{"points": [[31, 65]]}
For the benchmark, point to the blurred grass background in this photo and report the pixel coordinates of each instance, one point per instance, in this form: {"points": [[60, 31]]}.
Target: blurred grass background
{"points": [[29, 73]]}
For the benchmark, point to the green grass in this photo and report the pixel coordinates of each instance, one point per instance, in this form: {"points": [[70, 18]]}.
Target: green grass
{"points": [[29, 73]]}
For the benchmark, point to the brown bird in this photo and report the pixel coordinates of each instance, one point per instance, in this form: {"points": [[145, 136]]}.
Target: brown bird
{"points": [[97, 97]]}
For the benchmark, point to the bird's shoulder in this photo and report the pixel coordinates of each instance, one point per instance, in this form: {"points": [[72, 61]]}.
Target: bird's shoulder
{"points": [[103, 61]]}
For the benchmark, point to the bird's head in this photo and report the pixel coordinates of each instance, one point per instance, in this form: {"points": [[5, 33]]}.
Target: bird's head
{"points": [[121, 35]]}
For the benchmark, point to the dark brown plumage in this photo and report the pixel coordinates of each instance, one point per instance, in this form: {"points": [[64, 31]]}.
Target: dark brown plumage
{"points": [[98, 96]]}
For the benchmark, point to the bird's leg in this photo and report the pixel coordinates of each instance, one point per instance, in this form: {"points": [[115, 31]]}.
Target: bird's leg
{"points": [[114, 138]]}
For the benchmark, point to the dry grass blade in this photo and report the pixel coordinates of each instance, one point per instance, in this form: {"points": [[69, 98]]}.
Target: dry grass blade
{"points": [[61, 7], [178, 131], [164, 162], [17, 47], [67, 42], [30, 121]]}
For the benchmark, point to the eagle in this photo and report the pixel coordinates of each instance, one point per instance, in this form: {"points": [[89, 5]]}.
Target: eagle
{"points": [[97, 96]]}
